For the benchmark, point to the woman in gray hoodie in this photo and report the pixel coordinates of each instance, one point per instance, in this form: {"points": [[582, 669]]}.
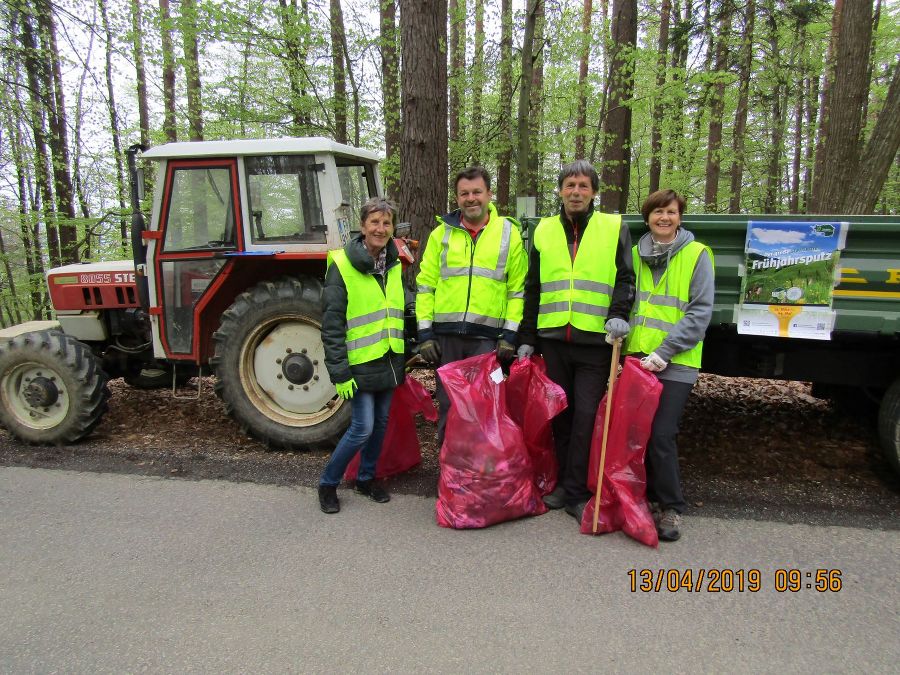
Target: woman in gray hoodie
{"points": [[675, 288]]}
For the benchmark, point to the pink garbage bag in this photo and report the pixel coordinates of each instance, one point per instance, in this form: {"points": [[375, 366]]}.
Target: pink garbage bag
{"points": [[400, 451], [486, 476], [533, 400], [623, 497]]}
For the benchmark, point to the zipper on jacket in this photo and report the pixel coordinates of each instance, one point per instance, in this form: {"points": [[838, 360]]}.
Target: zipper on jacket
{"points": [[571, 277], [469, 289]]}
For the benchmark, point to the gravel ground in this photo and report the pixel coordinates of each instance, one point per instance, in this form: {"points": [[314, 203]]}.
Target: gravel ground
{"points": [[757, 449]]}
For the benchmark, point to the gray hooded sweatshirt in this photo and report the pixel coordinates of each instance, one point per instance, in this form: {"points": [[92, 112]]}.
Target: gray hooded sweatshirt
{"points": [[691, 328]]}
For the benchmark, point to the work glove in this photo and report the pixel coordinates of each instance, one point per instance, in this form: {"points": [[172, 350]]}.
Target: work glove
{"points": [[653, 362], [430, 350], [505, 351], [525, 351], [346, 389], [615, 329]]}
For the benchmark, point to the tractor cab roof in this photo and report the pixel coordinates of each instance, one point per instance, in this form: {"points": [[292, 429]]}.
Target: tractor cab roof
{"points": [[249, 147]]}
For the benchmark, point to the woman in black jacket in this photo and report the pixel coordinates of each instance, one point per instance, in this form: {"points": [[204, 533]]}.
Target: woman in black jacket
{"points": [[362, 332]]}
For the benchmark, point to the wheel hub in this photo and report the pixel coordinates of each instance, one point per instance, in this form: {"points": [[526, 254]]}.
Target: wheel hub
{"points": [[41, 392], [297, 368]]}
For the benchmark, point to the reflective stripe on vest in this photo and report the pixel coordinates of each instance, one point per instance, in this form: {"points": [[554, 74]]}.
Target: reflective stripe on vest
{"points": [[577, 292], [658, 307], [371, 333]]}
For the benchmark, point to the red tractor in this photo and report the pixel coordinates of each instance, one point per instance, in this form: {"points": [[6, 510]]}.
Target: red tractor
{"points": [[226, 277]]}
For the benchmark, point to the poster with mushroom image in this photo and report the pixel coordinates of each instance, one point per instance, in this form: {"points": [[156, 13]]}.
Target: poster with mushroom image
{"points": [[789, 275]]}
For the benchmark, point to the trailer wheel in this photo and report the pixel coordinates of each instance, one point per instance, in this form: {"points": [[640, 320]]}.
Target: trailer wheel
{"points": [[269, 365], [889, 425], [52, 389]]}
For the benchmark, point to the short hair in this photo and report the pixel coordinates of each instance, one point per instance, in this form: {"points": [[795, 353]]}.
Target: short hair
{"points": [[659, 199], [378, 205], [472, 173], [580, 167]]}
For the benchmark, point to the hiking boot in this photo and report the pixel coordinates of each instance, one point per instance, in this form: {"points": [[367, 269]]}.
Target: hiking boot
{"points": [[556, 499], [372, 490], [655, 512], [667, 527], [328, 500], [576, 510]]}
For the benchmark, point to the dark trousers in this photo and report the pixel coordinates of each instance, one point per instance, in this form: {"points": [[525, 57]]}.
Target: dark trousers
{"points": [[582, 371], [663, 475], [455, 348]]}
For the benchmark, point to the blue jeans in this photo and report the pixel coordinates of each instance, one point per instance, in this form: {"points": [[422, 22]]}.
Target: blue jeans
{"points": [[367, 426]]}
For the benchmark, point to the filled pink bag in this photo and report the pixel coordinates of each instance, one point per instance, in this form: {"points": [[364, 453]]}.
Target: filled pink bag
{"points": [[532, 401], [486, 473], [623, 498], [400, 451]]}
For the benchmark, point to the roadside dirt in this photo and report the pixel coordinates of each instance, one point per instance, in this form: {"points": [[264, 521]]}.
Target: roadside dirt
{"points": [[751, 448]]}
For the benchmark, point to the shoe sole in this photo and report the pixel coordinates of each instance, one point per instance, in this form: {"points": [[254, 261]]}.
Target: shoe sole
{"points": [[326, 509], [553, 505], [371, 498], [669, 536]]}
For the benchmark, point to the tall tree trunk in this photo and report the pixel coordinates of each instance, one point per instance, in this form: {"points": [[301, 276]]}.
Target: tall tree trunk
{"points": [[477, 83], [740, 115], [583, 61], [354, 87], [681, 36], [779, 103], [294, 28], [168, 72], [390, 87], [535, 9], [137, 41], [423, 146], [870, 66], [189, 18], [659, 108], [338, 75], [843, 126], [880, 153], [504, 154], [717, 109], [458, 79], [77, 181], [536, 108], [812, 108], [615, 177], [114, 128]]}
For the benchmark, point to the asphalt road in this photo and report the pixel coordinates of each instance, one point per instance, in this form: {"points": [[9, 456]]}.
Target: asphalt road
{"points": [[120, 573]]}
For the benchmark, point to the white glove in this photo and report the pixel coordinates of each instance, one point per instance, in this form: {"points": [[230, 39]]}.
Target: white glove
{"points": [[525, 351], [615, 328], [653, 362]]}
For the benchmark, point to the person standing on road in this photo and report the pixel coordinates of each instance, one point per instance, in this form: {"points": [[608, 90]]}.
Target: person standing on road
{"points": [[675, 289], [470, 283], [578, 295], [362, 332]]}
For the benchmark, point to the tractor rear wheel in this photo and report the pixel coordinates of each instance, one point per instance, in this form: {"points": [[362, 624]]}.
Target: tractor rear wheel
{"points": [[889, 425], [269, 365], [52, 389]]}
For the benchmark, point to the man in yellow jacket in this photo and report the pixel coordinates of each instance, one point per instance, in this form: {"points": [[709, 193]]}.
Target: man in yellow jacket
{"points": [[470, 287]]}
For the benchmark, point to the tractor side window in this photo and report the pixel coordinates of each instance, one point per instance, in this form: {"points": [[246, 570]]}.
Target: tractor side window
{"points": [[184, 281], [284, 199], [201, 210], [357, 186]]}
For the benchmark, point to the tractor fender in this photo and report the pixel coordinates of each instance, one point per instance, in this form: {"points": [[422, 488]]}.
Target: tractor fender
{"points": [[27, 327]]}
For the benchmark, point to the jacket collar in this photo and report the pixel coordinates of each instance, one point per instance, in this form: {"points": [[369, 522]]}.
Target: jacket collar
{"points": [[359, 257]]}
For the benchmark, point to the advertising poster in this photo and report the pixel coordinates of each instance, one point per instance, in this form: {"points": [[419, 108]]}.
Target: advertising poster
{"points": [[790, 271]]}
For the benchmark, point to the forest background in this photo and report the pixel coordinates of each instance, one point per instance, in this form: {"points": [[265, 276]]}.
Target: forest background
{"points": [[744, 106]]}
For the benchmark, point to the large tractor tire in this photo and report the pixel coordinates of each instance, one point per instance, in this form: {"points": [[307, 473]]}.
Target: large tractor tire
{"points": [[269, 365], [52, 389], [889, 425]]}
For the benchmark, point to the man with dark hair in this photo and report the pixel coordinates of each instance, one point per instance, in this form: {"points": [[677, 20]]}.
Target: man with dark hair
{"points": [[470, 286], [578, 296]]}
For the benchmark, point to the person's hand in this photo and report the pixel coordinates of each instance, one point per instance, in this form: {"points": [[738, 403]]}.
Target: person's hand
{"points": [[430, 350], [505, 351], [616, 328], [346, 389], [653, 362], [525, 351]]}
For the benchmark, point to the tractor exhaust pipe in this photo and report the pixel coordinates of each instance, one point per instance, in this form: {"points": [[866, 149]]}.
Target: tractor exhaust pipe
{"points": [[138, 248]]}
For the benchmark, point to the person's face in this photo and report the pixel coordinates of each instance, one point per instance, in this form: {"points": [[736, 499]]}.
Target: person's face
{"points": [[577, 194], [473, 197], [664, 222], [376, 230]]}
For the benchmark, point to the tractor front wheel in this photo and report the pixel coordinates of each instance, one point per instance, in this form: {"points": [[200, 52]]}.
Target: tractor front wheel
{"points": [[269, 365], [52, 389], [889, 425]]}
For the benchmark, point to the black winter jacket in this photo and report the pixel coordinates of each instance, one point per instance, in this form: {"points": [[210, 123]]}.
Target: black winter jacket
{"points": [[385, 372]]}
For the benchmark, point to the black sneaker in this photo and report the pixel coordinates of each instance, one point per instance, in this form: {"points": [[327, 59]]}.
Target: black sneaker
{"points": [[576, 510], [556, 499], [328, 500], [372, 490], [668, 524]]}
